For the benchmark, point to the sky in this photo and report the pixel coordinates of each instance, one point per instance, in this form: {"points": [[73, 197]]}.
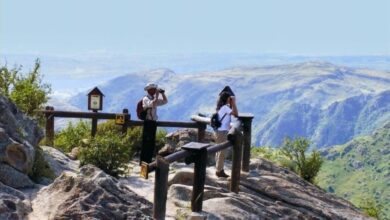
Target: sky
{"points": [[302, 27]]}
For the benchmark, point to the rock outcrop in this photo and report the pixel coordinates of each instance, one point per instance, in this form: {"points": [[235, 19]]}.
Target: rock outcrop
{"points": [[58, 161], [18, 136], [92, 194], [14, 178], [267, 192], [177, 139]]}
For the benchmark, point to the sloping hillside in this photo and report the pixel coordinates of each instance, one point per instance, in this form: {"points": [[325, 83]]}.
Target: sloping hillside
{"points": [[360, 169], [307, 99]]}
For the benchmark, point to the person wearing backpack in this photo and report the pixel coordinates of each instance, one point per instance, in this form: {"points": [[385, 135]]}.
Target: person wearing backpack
{"points": [[148, 113], [226, 108], [151, 101]]}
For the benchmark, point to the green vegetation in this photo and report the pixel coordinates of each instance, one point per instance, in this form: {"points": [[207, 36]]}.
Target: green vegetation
{"points": [[273, 154], [293, 155], [371, 208], [306, 166], [27, 91], [110, 150], [360, 169], [40, 168], [72, 136]]}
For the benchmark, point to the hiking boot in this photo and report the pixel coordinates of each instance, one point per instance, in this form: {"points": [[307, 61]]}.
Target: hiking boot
{"points": [[221, 174]]}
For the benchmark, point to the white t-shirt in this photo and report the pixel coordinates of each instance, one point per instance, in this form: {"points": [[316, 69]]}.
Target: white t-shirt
{"points": [[147, 103], [225, 122]]}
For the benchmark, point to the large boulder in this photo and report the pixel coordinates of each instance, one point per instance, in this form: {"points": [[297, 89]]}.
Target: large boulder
{"points": [[58, 161], [91, 194], [179, 138], [18, 126], [13, 203], [18, 136]]}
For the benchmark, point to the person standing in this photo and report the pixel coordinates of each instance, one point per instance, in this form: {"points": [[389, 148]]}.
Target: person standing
{"points": [[226, 108], [150, 103]]}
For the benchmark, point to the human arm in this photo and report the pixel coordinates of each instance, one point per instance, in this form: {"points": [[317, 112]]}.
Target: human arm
{"points": [[233, 106], [162, 101]]}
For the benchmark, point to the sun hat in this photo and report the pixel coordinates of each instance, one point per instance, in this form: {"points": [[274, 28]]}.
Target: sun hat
{"points": [[150, 86]]}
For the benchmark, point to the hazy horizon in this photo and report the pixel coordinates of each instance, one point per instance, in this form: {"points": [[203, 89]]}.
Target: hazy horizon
{"points": [[74, 74], [81, 43]]}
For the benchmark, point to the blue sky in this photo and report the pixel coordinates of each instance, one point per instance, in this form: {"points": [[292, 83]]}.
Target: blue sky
{"points": [[306, 27]]}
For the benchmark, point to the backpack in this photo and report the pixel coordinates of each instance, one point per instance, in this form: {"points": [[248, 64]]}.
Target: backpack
{"points": [[215, 122], [141, 112]]}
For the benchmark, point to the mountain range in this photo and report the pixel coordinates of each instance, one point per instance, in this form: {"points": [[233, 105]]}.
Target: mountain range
{"points": [[327, 103]]}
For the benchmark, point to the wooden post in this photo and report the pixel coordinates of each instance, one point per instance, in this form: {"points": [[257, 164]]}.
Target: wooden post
{"points": [[127, 119], [236, 164], [160, 188], [94, 125], [246, 120], [201, 131], [199, 152], [199, 180], [49, 126]]}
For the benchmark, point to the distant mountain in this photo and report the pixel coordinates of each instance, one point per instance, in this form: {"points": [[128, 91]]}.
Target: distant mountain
{"points": [[360, 169], [335, 124], [329, 104], [76, 72]]}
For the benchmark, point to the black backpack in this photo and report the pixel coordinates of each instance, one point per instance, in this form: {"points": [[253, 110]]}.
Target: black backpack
{"points": [[215, 122], [141, 112]]}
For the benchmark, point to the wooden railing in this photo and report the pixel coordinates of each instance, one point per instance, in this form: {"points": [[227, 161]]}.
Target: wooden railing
{"points": [[196, 153], [50, 115], [239, 138]]}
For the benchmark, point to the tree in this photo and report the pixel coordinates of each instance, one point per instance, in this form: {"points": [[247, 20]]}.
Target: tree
{"points": [[306, 167], [27, 91]]}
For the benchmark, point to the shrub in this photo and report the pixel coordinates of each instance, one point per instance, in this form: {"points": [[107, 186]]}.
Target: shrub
{"points": [[274, 155], [306, 167], [371, 208], [72, 136], [160, 138], [110, 152]]}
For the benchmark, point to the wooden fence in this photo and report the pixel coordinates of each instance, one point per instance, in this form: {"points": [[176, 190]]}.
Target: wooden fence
{"points": [[196, 153], [50, 114], [239, 138]]}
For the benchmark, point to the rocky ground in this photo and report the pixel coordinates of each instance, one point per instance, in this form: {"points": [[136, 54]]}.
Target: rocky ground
{"points": [[266, 192]]}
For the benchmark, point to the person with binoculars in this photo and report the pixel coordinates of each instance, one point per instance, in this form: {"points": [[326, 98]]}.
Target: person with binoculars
{"points": [[147, 111], [151, 101]]}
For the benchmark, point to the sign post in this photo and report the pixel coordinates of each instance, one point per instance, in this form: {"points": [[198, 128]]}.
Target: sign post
{"points": [[95, 103]]}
